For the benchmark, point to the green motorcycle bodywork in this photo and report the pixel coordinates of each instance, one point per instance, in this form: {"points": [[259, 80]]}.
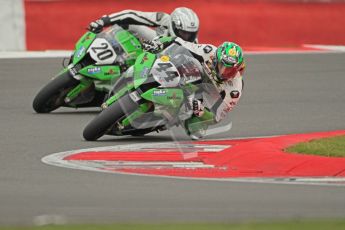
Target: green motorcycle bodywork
{"points": [[82, 45], [141, 71], [101, 75], [143, 108], [170, 98], [74, 93], [142, 68], [131, 46]]}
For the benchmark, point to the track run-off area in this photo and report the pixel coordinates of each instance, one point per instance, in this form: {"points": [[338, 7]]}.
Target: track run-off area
{"points": [[285, 93]]}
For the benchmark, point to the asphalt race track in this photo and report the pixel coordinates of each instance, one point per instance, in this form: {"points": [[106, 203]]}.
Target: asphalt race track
{"points": [[284, 93]]}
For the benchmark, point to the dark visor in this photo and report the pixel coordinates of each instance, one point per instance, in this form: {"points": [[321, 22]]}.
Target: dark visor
{"points": [[185, 35]]}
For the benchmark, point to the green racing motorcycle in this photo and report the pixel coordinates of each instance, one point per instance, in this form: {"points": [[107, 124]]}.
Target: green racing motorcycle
{"points": [[98, 60], [153, 95]]}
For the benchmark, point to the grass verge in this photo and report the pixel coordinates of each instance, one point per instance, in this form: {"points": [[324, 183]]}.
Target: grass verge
{"points": [[330, 147]]}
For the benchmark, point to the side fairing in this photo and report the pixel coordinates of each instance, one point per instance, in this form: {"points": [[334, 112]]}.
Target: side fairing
{"points": [[171, 97], [82, 46], [103, 73], [142, 68]]}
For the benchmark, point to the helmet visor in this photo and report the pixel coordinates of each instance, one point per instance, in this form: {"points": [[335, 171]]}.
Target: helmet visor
{"points": [[185, 35]]}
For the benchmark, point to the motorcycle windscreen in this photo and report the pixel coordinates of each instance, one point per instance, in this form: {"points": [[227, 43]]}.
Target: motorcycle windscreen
{"points": [[115, 46]]}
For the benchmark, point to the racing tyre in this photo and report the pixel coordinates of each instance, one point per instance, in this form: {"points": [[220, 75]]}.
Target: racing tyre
{"points": [[108, 117], [52, 96]]}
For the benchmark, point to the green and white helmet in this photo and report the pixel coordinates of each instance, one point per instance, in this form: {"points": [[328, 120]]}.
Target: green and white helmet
{"points": [[228, 60]]}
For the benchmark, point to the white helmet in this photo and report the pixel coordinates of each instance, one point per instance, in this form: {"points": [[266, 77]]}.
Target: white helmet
{"points": [[184, 24]]}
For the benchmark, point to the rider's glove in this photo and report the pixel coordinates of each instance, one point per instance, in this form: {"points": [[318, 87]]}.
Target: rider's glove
{"points": [[198, 108], [98, 25], [153, 46]]}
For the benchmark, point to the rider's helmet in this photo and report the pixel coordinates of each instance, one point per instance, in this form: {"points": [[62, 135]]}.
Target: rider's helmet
{"points": [[228, 60], [184, 24]]}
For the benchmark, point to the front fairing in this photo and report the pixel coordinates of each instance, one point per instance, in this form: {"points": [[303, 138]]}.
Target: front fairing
{"points": [[82, 46], [113, 45], [173, 67], [102, 58], [188, 67]]}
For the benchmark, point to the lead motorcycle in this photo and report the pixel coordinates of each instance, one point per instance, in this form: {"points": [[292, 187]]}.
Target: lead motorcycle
{"points": [[153, 95], [98, 60]]}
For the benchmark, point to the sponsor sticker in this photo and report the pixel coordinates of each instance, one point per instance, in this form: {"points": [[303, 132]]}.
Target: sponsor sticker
{"points": [[144, 72], [207, 49], [110, 72], [135, 96], [86, 38], [159, 92], [235, 94], [80, 51], [94, 70], [174, 97], [165, 58], [144, 59]]}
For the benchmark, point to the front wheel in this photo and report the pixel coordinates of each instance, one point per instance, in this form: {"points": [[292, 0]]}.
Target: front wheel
{"points": [[52, 96], [108, 117]]}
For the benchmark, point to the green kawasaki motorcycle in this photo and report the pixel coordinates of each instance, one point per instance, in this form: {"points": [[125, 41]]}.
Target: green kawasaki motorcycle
{"points": [[98, 60], [153, 95]]}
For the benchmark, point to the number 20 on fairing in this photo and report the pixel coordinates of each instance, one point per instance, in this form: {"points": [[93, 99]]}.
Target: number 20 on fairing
{"points": [[102, 52]]}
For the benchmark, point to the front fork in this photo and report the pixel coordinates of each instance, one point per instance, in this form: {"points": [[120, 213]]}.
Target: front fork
{"points": [[85, 91], [76, 91]]}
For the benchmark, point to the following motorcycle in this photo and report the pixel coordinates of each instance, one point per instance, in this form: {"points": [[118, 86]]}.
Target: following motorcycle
{"points": [[98, 60]]}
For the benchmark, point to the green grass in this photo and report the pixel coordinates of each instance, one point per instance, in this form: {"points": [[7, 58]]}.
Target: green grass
{"points": [[330, 147], [292, 225]]}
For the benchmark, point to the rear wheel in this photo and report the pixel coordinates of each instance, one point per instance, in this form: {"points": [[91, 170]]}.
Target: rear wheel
{"points": [[52, 96], [108, 117]]}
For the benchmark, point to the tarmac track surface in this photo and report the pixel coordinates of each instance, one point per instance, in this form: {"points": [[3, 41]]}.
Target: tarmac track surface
{"points": [[291, 93]]}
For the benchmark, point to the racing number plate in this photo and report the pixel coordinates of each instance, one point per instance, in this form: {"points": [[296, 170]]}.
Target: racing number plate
{"points": [[165, 73], [102, 52]]}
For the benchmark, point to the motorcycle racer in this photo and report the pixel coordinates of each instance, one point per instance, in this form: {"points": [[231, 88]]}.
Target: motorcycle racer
{"points": [[182, 22], [223, 67]]}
